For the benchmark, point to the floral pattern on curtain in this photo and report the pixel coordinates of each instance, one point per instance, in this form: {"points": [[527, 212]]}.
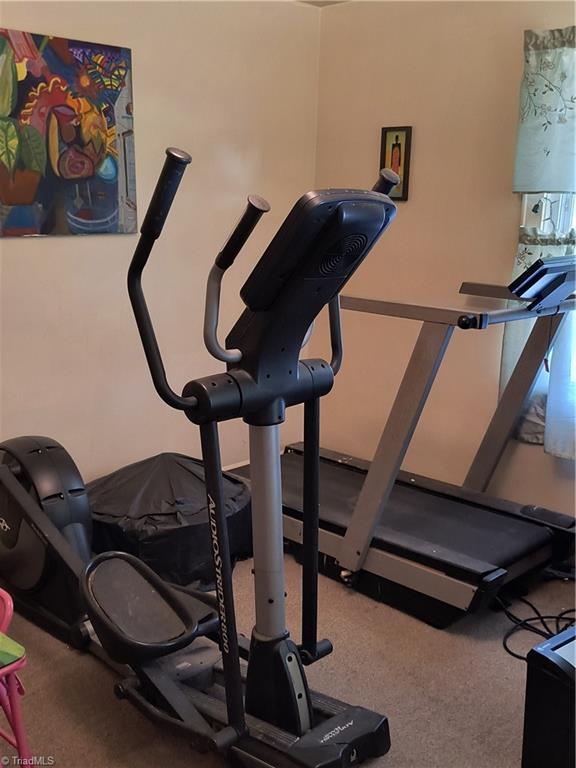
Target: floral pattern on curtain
{"points": [[545, 172]]}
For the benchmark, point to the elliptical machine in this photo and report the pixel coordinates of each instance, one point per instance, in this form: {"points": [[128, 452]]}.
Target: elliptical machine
{"points": [[181, 663], [322, 242]]}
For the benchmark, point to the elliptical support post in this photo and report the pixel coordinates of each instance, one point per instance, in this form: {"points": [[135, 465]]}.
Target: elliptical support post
{"points": [[310, 526], [311, 650], [276, 686], [267, 531], [223, 574], [310, 523]]}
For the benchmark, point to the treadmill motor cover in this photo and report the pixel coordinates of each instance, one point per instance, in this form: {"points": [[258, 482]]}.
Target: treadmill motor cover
{"points": [[156, 509]]}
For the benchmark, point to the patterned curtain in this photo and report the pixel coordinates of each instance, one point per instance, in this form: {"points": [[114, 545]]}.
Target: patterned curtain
{"points": [[546, 151], [545, 172]]}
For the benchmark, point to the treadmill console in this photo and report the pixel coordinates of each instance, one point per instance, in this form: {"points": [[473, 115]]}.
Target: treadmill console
{"points": [[546, 283]]}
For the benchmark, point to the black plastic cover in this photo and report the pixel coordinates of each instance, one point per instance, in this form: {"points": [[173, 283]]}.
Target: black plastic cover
{"points": [[156, 510], [48, 473]]}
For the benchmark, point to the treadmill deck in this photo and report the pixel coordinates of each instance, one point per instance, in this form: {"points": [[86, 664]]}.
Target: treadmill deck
{"points": [[432, 528]]}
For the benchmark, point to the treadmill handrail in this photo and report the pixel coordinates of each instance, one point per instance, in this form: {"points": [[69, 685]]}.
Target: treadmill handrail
{"points": [[464, 318], [490, 291], [425, 313]]}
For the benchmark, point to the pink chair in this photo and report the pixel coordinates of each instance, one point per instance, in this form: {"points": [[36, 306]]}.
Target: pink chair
{"points": [[11, 688]]}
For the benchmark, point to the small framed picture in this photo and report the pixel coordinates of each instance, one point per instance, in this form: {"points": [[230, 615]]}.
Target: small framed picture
{"points": [[395, 154]]}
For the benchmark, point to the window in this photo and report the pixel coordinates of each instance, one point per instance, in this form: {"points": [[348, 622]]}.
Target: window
{"points": [[549, 223], [549, 214]]}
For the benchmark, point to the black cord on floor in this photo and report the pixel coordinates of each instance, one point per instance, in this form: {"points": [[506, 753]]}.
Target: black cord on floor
{"points": [[537, 623]]}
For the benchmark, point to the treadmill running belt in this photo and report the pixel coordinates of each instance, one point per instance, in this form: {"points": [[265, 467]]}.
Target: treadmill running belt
{"points": [[414, 516], [423, 525]]}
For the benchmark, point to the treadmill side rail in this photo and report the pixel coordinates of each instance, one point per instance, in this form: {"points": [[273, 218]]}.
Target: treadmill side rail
{"points": [[401, 570], [562, 524]]}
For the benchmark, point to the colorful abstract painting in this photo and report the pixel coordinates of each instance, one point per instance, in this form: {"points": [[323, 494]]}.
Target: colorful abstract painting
{"points": [[66, 137]]}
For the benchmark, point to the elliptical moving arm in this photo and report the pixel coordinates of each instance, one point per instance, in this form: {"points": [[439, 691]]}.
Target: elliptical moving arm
{"points": [[255, 209], [335, 334], [166, 188]]}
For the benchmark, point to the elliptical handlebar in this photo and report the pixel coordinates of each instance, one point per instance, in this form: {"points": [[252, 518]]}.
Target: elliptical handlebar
{"points": [[387, 180], [162, 199], [166, 187], [255, 209]]}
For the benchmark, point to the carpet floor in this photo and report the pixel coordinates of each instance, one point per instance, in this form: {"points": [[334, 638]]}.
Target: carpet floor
{"points": [[454, 698]]}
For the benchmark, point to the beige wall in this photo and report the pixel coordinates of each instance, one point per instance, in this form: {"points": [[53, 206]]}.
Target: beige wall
{"points": [[236, 85], [452, 71]]}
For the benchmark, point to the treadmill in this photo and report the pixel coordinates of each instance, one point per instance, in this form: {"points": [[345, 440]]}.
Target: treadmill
{"points": [[433, 549]]}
